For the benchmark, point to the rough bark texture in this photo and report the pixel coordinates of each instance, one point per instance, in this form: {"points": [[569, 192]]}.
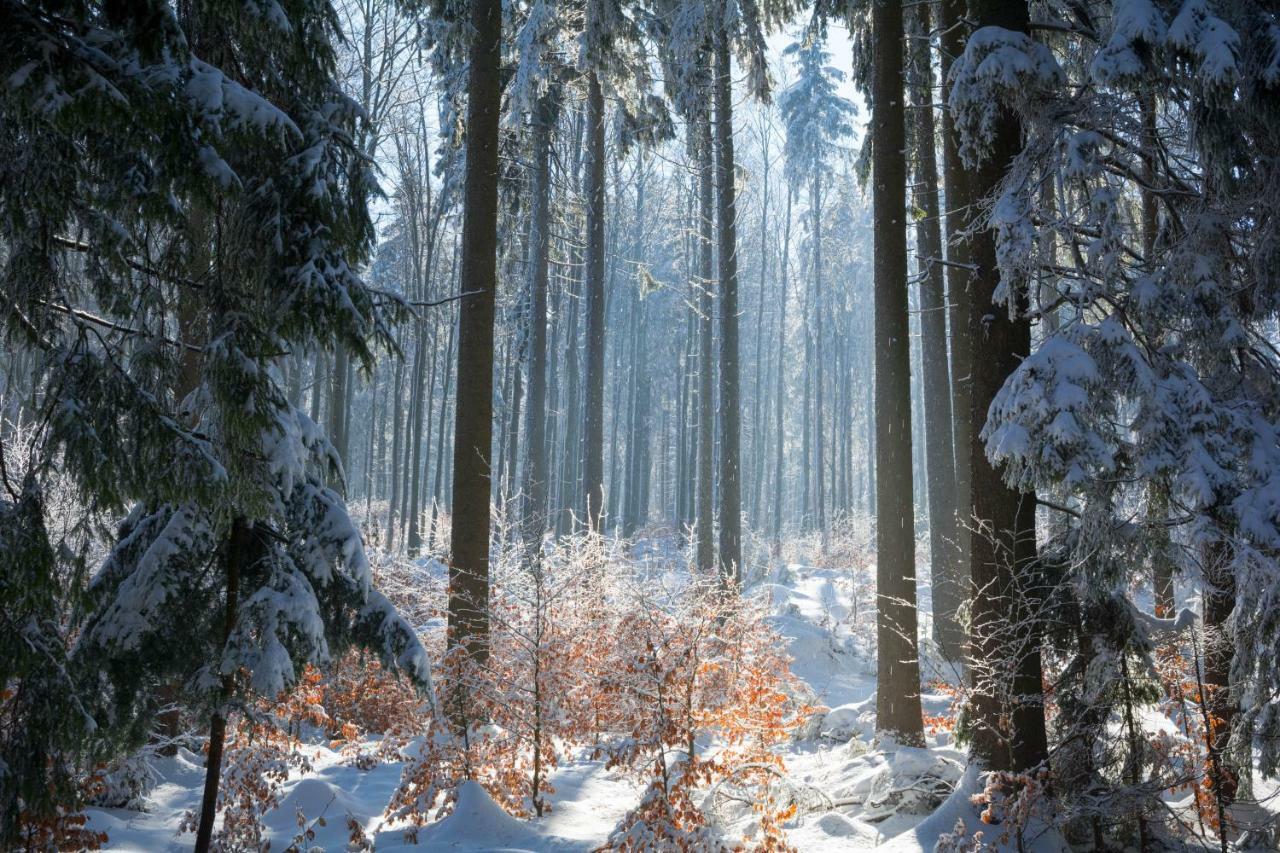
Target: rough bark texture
{"points": [[593, 405], [898, 711], [730, 382], [473, 415], [1008, 711], [948, 590]]}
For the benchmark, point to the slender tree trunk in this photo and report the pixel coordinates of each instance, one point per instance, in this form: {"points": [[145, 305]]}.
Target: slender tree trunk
{"points": [[239, 543], [898, 665], [535, 468], [394, 495], [706, 367], [437, 489], [473, 414], [319, 377], [759, 433], [593, 413], [958, 275], [819, 409], [948, 588], [1162, 580], [779, 397], [806, 430], [684, 464], [1009, 733], [571, 456], [730, 381], [338, 403]]}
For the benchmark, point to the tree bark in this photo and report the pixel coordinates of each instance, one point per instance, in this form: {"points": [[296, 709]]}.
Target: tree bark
{"points": [[948, 588], [706, 367], [239, 542], [780, 393], [819, 445], [730, 381], [1009, 728], [593, 403], [468, 616], [958, 275], [898, 711], [535, 469]]}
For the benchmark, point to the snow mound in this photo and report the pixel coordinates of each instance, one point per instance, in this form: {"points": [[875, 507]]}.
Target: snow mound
{"points": [[478, 823], [315, 799], [848, 722]]}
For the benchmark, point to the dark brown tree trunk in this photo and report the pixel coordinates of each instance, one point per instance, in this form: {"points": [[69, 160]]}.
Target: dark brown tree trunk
{"points": [[1009, 729], [536, 469], [730, 381], [1162, 566], [239, 542], [898, 666], [468, 617], [948, 572]]}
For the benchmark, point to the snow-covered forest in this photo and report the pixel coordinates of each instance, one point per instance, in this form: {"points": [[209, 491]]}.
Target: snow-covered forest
{"points": [[640, 425]]}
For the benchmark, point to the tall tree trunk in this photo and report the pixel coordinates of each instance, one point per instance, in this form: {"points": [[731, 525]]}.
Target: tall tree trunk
{"points": [[473, 414], [1162, 565], [420, 398], [959, 275], [819, 445], [1009, 733], [898, 663], [948, 574], [535, 468], [779, 397], [593, 408], [437, 488], [730, 381], [393, 497], [571, 455], [806, 430], [759, 433], [706, 407]]}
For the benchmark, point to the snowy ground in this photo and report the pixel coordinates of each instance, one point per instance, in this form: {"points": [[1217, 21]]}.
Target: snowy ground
{"points": [[846, 784]]}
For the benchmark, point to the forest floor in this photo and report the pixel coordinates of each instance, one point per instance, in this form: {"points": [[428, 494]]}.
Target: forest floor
{"points": [[851, 793], [848, 792]]}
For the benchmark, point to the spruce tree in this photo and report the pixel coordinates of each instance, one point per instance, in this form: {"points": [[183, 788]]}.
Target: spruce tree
{"points": [[193, 163]]}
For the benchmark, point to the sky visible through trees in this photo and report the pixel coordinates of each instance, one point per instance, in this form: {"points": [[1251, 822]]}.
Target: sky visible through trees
{"points": [[640, 425]]}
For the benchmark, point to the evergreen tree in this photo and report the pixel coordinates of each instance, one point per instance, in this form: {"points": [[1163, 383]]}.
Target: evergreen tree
{"points": [[165, 138]]}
